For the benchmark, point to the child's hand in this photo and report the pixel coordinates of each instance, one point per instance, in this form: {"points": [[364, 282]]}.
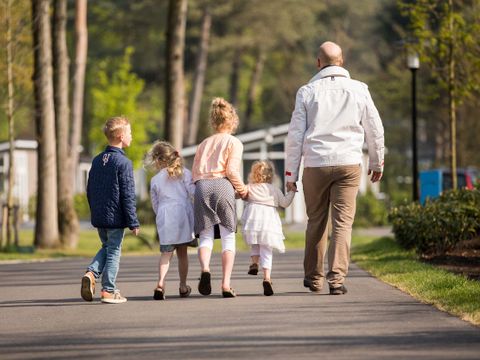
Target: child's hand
{"points": [[136, 231], [291, 186]]}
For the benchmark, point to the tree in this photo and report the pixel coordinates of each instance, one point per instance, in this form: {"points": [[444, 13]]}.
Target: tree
{"points": [[21, 66], [260, 47], [67, 217], [15, 93], [11, 135], [115, 91], [46, 226], [81, 47], [175, 87], [199, 77], [445, 32], [253, 86]]}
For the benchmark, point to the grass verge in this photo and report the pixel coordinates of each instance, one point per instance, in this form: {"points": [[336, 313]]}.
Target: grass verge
{"points": [[384, 259], [89, 244]]}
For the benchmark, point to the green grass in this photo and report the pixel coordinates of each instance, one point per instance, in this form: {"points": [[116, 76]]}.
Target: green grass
{"points": [[384, 259], [89, 243]]}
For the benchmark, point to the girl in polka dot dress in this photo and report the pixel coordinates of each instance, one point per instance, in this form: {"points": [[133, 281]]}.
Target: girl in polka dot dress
{"points": [[216, 173]]}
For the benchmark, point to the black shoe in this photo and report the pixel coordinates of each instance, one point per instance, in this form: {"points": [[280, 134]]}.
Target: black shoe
{"points": [[267, 288], [229, 293], [204, 286], [338, 290], [158, 294], [253, 269], [313, 288]]}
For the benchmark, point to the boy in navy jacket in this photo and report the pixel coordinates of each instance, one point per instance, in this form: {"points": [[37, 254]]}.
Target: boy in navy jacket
{"points": [[111, 196]]}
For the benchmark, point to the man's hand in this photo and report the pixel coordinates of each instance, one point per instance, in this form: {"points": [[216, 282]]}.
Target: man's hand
{"points": [[291, 186], [376, 175], [136, 231]]}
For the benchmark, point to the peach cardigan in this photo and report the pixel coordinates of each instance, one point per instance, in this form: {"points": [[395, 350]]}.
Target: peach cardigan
{"points": [[220, 156]]}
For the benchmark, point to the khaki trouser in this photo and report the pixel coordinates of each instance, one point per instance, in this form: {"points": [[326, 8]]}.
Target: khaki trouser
{"points": [[324, 186]]}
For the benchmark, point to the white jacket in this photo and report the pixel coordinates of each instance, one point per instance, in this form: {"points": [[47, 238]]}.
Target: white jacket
{"points": [[172, 203], [333, 115]]}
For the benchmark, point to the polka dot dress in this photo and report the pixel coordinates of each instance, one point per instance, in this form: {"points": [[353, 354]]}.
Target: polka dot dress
{"points": [[214, 204]]}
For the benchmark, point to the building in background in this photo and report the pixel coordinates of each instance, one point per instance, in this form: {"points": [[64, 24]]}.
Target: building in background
{"points": [[260, 144], [270, 144]]}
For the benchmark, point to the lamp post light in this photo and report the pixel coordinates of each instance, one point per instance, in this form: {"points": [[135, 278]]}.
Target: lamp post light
{"points": [[413, 63]]}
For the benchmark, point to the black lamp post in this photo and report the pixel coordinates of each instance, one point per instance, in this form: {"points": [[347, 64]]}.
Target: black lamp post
{"points": [[413, 63]]}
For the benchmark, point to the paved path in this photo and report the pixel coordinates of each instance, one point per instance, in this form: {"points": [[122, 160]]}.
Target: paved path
{"points": [[42, 317]]}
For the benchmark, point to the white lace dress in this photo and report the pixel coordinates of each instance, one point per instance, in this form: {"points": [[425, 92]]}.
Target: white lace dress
{"points": [[261, 222]]}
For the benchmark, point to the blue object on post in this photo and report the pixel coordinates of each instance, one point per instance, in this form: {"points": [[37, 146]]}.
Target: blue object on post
{"points": [[431, 183]]}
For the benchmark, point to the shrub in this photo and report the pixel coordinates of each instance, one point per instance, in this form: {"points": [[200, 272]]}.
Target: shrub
{"points": [[440, 224], [370, 211], [145, 212], [80, 204]]}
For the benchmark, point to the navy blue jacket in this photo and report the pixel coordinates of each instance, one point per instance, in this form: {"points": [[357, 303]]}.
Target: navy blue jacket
{"points": [[111, 190]]}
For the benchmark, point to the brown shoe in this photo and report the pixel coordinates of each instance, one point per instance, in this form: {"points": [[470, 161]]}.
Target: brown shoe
{"points": [[185, 293], [113, 298], [88, 286], [253, 269]]}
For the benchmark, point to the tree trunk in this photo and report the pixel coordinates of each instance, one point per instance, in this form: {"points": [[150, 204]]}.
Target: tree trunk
{"points": [[46, 227], [199, 78], [452, 97], [252, 89], [11, 135], [67, 217], [81, 48], [235, 76], [175, 88]]}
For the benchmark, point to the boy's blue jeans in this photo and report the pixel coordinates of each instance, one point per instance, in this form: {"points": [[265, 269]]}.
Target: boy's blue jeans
{"points": [[107, 260]]}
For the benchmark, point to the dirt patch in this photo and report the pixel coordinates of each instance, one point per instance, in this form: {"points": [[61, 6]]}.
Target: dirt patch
{"points": [[464, 259]]}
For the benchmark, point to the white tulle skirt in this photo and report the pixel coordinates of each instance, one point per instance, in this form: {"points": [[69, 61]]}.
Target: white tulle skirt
{"points": [[261, 225]]}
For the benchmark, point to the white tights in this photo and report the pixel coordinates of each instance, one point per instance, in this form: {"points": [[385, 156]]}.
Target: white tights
{"points": [[265, 253], [227, 236]]}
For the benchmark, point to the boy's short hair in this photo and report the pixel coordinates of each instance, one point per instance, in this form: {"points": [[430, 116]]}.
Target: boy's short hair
{"points": [[114, 127]]}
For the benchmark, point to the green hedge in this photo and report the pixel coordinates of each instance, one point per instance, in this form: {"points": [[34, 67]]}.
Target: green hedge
{"points": [[370, 211], [440, 224]]}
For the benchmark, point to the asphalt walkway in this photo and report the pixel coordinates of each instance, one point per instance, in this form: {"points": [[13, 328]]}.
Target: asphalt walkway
{"points": [[43, 317]]}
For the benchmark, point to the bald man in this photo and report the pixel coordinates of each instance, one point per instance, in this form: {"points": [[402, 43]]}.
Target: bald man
{"points": [[333, 116]]}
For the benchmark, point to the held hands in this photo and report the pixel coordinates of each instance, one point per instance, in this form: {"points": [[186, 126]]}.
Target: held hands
{"points": [[136, 231], [291, 186], [239, 196], [376, 175]]}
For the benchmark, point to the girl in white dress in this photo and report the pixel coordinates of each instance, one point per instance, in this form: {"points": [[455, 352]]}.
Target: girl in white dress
{"points": [[171, 191], [261, 224]]}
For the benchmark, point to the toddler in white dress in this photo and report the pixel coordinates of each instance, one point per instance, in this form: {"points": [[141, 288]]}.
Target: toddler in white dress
{"points": [[171, 191], [261, 224]]}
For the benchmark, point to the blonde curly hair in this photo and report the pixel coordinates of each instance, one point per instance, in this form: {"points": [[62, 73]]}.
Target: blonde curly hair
{"points": [[262, 171], [163, 155], [223, 115]]}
